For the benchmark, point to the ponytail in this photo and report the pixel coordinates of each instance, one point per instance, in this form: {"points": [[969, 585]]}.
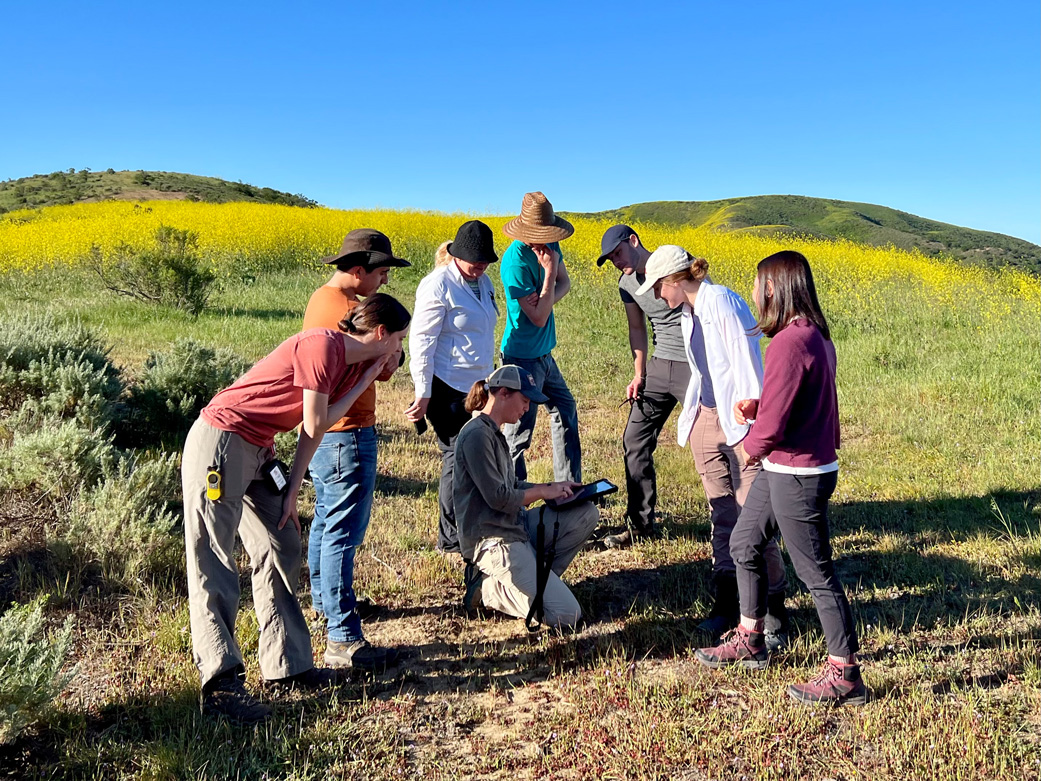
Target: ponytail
{"points": [[376, 310], [477, 397]]}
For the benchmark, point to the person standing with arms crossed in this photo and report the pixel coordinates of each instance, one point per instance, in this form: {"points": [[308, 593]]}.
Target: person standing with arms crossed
{"points": [[534, 279], [343, 469], [658, 385]]}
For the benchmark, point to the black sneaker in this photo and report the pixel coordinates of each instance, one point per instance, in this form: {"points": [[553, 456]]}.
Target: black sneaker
{"points": [[313, 679], [473, 579], [226, 697]]}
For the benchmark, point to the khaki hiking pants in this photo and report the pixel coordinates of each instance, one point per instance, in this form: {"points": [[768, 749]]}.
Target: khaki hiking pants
{"points": [[726, 479], [509, 568], [249, 507]]}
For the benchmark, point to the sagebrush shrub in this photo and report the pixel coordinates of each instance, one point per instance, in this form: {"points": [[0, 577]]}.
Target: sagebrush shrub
{"points": [[125, 523], [173, 388], [30, 666], [58, 370], [56, 458]]}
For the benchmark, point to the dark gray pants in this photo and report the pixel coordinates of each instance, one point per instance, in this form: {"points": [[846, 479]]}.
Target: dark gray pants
{"points": [[797, 507], [447, 414], [664, 388]]}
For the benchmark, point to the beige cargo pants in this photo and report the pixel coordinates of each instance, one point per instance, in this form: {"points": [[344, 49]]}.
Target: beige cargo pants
{"points": [[509, 585], [249, 507]]}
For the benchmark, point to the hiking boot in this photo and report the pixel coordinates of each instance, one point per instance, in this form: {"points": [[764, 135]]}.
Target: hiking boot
{"points": [[313, 679], [738, 646], [840, 684], [360, 655], [226, 697], [726, 611], [473, 579], [776, 623]]}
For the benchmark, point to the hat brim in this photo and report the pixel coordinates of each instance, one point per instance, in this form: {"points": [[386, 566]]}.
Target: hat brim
{"points": [[493, 258], [648, 284], [538, 234], [535, 395], [603, 258], [366, 258]]}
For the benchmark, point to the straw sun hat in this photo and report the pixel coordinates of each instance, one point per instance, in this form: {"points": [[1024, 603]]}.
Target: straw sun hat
{"points": [[537, 224]]}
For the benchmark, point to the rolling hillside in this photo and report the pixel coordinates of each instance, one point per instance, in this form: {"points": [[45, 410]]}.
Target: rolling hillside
{"points": [[72, 186], [861, 222]]}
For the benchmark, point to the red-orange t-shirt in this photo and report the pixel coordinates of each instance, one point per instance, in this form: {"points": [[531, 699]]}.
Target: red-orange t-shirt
{"points": [[327, 307], [269, 398]]}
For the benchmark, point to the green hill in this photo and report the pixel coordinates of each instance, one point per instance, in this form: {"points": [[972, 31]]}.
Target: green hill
{"points": [[860, 222], [72, 186]]}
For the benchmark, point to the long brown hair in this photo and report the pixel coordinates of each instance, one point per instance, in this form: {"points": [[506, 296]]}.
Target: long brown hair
{"points": [[376, 310], [794, 294]]}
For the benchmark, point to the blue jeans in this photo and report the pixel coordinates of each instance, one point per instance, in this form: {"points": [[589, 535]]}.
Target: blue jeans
{"points": [[344, 474], [563, 421]]}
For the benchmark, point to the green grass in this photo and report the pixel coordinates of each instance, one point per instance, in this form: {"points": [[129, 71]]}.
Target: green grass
{"points": [[861, 222], [937, 534]]}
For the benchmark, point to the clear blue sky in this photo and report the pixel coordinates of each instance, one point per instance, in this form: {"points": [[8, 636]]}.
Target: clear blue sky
{"points": [[929, 107]]}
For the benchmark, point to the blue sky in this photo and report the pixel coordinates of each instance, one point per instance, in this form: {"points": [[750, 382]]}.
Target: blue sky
{"points": [[928, 107]]}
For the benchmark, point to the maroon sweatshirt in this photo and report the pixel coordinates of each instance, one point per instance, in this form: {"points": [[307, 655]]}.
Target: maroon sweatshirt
{"points": [[798, 419]]}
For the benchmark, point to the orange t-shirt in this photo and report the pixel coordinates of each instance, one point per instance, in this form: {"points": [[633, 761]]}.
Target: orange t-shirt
{"points": [[327, 307]]}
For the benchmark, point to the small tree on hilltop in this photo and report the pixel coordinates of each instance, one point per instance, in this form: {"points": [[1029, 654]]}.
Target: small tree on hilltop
{"points": [[170, 273]]}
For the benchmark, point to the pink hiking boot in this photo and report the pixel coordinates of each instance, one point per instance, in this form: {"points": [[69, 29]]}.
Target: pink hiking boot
{"points": [[840, 684], [738, 646]]}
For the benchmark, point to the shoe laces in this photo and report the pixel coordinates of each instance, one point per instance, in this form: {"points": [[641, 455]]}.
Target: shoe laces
{"points": [[829, 673]]}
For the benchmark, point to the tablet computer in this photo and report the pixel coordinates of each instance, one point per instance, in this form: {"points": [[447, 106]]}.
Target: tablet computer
{"points": [[585, 494]]}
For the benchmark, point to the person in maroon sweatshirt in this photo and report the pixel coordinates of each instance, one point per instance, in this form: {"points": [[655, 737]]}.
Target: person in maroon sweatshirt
{"points": [[795, 435]]}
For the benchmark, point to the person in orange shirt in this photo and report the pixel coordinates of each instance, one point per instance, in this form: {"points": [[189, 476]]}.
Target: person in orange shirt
{"points": [[343, 469]]}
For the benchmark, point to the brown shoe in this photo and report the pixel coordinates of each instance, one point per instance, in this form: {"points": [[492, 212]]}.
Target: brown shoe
{"points": [[313, 679], [839, 684], [226, 697], [738, 646]]}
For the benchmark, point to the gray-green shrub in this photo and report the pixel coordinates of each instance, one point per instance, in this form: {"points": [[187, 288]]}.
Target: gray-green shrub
{"points": [[31, 664], [175, 385], [56, 459], [125, 524], [50, 369]]}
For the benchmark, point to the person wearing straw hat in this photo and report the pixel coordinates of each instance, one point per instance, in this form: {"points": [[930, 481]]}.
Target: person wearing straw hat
{"points": [[452, 344], [534, 279], [343, 468], [721, 339], [659, 382], [496, 533]]}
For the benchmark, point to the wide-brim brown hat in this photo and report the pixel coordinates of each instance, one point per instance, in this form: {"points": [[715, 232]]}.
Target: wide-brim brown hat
{"points": [[537, 224], [365, 247]]}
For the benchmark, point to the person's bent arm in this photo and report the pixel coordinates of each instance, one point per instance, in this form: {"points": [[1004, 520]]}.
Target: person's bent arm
{"points": [[563, 283], [318, 416], [540, 312], [638, 346], [426, 328], [549, 491]]}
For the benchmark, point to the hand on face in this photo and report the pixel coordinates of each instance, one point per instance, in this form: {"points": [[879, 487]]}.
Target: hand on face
{"points": [[548, 258]]}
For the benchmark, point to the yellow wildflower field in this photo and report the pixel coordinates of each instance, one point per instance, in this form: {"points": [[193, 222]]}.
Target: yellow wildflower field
{"points": [[856, 278]]}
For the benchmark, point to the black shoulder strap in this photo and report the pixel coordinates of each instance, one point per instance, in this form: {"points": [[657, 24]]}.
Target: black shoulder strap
{"points": [[543, 566]]}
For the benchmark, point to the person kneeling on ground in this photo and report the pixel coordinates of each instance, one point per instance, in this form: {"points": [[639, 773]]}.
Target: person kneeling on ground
{"points": [[497, 534]]}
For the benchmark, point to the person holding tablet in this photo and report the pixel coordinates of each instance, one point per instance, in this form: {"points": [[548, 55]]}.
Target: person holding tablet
{"points": [[722, 345], [497, 534], [795, 436]]}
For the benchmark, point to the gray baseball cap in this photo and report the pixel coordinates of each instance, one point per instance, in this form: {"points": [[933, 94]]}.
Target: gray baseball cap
{"points": [[516, 378]]}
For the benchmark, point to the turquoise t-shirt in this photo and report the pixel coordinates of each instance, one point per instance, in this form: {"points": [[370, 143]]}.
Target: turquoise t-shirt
{"points": [[521, 276]]}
